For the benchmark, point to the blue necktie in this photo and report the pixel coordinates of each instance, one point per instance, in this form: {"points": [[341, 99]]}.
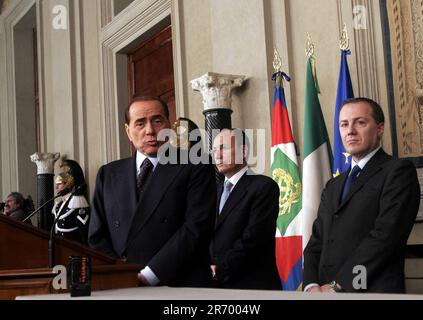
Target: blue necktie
{"points": [[350, 180], [227, 186]]}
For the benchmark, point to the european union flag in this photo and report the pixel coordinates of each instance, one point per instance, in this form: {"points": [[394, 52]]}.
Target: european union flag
{"points": [[341, 159]]}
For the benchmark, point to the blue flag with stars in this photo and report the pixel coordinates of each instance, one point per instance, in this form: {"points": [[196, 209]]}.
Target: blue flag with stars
{"points": [[341, 159]]}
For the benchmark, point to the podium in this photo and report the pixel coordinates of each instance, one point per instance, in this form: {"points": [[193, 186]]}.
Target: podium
{"points": [[24, 261]]}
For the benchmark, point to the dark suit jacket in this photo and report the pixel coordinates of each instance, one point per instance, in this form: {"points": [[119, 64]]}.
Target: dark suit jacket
{"points": [[168, 229], [243, 245], [20, 215], [369, 228]]}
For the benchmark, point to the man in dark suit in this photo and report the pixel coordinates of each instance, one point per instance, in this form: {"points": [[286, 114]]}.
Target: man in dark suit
{"points": [[153, 213], [15, 207], [366, 214], [243, 247]]}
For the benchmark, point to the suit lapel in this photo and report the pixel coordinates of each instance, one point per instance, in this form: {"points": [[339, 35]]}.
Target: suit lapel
{"points": [[126, 187], [234, 198], [372, 167], [339, 186], [157, 186]]}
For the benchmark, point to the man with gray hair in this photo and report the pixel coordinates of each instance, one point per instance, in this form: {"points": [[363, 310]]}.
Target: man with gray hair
{"points": [[15, 206]]}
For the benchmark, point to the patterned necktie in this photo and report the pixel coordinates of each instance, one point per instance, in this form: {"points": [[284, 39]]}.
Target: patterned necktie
{"points": [[350, 180], [227, 186], [145, 170]]}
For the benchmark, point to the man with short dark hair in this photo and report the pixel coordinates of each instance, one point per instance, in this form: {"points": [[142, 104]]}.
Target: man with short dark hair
{"points": [[242, 250], [366, 214], [155, 214]]}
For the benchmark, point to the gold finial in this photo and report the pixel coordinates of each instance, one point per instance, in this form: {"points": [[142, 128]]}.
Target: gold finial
{"points": [[277, 62], [309, 50], [344, 42]]}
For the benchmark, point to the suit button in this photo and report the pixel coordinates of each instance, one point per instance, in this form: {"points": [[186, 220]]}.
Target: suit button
{"points": [[336, 216], [117, 224], [330, 241], [164, 220]]}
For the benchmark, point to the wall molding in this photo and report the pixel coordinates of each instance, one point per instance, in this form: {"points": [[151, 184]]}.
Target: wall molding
{"points": [[9, 155], [364, 40], [123, 30]]}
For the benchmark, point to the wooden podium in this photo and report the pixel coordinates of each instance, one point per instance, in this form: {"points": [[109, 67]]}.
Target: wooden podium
{"points": [[24, 262]]}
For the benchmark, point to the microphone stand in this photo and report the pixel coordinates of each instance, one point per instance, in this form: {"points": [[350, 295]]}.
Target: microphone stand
{"points": [[39, 208], [51, 238]]}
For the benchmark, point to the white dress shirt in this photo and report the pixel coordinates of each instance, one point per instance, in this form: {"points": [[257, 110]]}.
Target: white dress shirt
{"points": [[236, 177], [147, 272]]}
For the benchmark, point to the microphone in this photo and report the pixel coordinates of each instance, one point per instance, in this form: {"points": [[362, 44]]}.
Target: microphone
{"points": [[51, 239], [59, 194]]}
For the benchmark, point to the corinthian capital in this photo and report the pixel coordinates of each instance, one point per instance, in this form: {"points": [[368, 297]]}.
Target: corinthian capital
{"points": [[216, 89], [45, 162]]}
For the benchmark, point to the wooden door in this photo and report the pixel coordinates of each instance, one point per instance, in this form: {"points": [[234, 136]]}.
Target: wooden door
{"points": [[150, 70]]}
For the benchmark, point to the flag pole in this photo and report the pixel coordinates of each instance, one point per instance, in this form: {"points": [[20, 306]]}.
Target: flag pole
{"points": [[341, 158], [285, 171]]}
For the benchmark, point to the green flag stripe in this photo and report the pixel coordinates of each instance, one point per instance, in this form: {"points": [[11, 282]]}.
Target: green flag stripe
{"points": [[315, 133], [286, 173]]}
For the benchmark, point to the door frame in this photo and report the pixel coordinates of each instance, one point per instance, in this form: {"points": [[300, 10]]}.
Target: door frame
{"points": [[120, 34]]}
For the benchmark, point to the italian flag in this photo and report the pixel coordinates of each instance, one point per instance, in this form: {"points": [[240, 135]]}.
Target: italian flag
{"points": [[317, 153], [285, 172]]}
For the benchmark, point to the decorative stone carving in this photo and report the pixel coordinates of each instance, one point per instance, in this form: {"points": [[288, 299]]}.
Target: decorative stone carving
{"points": [[216, 89], [45, 162], [406, 25]]}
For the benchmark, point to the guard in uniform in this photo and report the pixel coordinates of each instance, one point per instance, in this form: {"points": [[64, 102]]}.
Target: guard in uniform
{"points": [[71, 212]]}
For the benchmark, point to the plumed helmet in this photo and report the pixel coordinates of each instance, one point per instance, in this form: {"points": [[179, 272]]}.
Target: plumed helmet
{"points": [[72, 176], [60, 178]]}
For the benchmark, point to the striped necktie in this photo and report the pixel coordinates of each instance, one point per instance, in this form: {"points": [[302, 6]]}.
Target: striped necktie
{"points": [[145, 170]]}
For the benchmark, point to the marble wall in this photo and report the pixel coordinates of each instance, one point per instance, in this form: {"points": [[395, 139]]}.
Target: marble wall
{"points": [[80, 65]]}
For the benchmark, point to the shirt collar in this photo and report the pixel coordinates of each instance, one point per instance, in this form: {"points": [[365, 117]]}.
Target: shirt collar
{"points": [[235, 178], [364, 161], [140, 159]]}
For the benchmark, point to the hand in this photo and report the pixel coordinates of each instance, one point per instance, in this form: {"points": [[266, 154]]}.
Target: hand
{"points": [[327, 288], [213, 271], [143, 281], [315, 289]]}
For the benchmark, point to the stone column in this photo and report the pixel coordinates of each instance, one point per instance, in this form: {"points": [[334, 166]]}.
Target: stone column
{"points": [[216, 90], [45, 186]]}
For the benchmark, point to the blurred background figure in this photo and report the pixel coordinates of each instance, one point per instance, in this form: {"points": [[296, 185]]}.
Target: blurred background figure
{"points": [[17, 207], [71, 211], [187, 133]]}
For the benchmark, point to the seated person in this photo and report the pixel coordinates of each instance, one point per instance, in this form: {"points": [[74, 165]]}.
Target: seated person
{"points": [[16, 206]]}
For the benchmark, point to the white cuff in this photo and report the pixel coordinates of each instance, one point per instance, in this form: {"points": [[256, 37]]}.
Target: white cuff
{"points": [[310, 285], [150, 276]]}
